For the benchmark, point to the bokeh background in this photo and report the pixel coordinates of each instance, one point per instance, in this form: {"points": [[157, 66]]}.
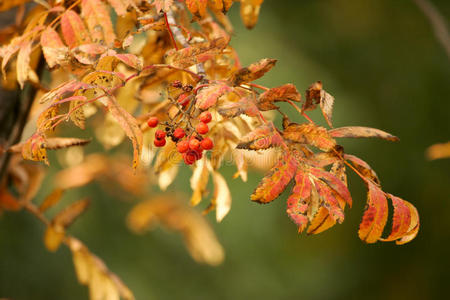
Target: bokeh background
{"points": [[386, 69]]}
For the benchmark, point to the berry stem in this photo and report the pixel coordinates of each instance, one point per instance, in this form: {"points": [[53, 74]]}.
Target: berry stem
{"points": [[170, 32]]}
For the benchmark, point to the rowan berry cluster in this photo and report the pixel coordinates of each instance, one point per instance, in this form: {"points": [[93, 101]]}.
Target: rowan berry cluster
{"points": [[190, 145]]}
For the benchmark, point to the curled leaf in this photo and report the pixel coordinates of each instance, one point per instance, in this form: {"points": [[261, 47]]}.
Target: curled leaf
{"points": [[253, 72], [375, 215], [405, 223], [363, 167], [361, 132]]}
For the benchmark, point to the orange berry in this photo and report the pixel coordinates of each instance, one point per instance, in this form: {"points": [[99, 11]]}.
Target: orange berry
{"points": [[207, 143], [183, 146], [178, 133], [205, 117], [152, 122], [194, 144], [202, 128]]}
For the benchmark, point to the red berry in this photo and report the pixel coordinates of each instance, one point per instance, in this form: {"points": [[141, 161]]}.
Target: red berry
{"points": [[207, 143], [159, 142], [190, 157], [205, 117], [178, 133], [183, 146], [202, 128], [194, 144], [152, 122], [159, 134]]}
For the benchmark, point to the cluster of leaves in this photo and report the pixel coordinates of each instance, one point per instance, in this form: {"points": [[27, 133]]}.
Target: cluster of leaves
{"points": [[127, 69]]}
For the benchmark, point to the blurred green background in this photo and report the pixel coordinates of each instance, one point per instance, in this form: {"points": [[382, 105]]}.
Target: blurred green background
{"points": [[386, 69]]}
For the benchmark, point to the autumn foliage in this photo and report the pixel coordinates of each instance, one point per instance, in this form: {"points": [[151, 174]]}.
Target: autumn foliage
{"points": [[141, 70]]}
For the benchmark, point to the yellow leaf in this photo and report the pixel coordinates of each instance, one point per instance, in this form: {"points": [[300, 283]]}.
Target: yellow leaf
{"points": [[54, 236], [91, 271], [222, 196], [99, 23], [199, 237], [199, 180], [129, 125], [250, 12], [34, 148]]}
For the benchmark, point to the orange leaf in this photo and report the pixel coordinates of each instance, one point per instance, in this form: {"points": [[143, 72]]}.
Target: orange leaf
{"points": [[375, 216], [333, 182], [197, 7], [244, 106], [316, 95], [55, 52], [195, 54], [98, 21], [51, 199], [321, 222], [361, 132], [273, 184], [262, 137], [438, 151], [405, 222], [209, 95], [362, 167], [281, 93], [73, 30], [309, 134], [253, 72], [330, 201], [8, 201], [220, 5], [298, 201], [67, 87]]}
